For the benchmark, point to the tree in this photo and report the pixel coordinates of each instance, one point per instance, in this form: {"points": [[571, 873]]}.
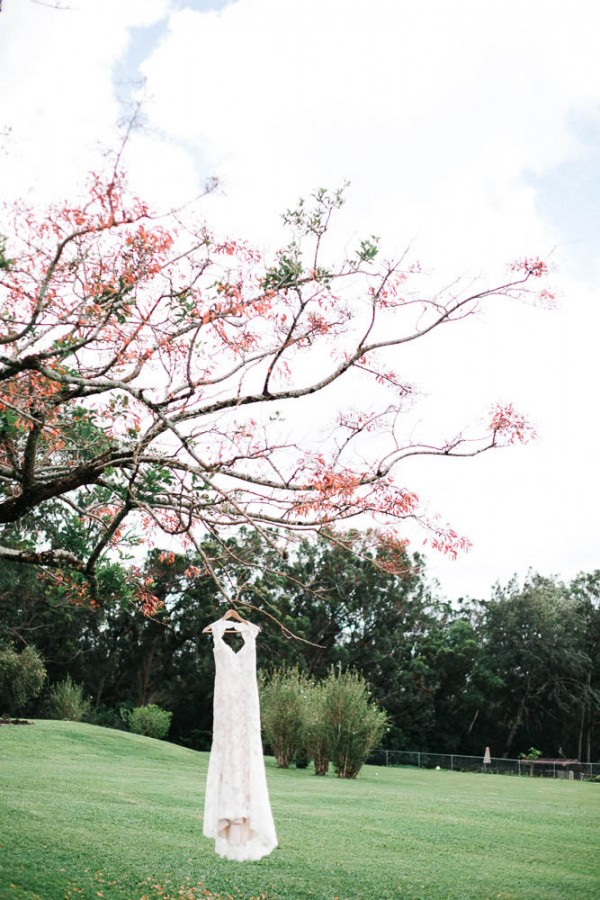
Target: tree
{"points": [[452, 651], [146, 366], [533, 641], [585, 593]]}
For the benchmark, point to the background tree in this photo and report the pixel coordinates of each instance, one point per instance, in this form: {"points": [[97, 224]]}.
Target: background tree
{"points": [[146, 366], [450, 678], [532, 639], [585, 593], [453, 653]]}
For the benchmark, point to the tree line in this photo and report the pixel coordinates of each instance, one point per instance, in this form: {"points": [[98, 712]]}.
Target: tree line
{"points": [[516, 669]]}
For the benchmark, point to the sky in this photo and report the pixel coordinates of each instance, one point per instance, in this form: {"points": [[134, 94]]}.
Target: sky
{"points": [[469, 132]]}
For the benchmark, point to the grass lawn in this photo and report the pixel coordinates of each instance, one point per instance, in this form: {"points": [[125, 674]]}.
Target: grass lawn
{"points": [[89, 813]]}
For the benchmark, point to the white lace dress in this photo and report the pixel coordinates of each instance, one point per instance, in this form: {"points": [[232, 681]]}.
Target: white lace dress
{"points": [[237, 811]]}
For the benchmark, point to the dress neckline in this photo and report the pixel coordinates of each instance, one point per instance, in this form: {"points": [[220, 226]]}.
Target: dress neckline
{"points": [[230, 648], [242, 629]]}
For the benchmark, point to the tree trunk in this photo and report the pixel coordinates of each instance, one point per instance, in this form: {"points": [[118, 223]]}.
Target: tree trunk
{"points": [[145, 676], [100, 690], [517, 721], [588, 710]]}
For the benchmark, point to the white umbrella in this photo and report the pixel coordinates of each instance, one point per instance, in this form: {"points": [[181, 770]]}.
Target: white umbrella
{"points": [[487, 757]]}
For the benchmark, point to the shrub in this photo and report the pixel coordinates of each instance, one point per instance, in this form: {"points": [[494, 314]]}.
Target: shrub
{"points": [[106, 717], [22, 677], [302, 759], [532, 753], [282, 700], [317, 738], [150, 720], [66, 700], [353, 724], [332, 720]]}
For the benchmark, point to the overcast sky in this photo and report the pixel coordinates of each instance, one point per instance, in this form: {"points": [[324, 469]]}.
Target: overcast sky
{"points": [[469, 130]]}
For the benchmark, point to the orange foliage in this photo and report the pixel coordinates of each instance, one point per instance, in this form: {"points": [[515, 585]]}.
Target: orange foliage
{"points": [[157, 362]]}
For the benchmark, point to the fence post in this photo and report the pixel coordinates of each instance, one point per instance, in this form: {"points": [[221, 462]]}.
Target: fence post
{"points": [[451, 762], [418, 759], [387, 756]]}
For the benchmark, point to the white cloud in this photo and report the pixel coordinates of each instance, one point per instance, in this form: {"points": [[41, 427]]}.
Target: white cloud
{"points": [[434, 110], [57, 96], [439, 114]]}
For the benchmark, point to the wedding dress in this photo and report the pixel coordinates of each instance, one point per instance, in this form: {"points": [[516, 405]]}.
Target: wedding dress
{"points": [[237, 811]]}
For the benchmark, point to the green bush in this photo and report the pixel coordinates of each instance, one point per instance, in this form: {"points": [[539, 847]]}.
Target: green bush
{"points": [[331, 720], [22, 677], [352, 724], [106, 717], [302, 759], [66, 700], [317, 738], [150, 720], [532, 753], [282, 701]]}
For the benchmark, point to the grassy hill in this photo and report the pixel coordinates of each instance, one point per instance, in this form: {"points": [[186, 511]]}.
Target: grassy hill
{"points": [[88, 813]]}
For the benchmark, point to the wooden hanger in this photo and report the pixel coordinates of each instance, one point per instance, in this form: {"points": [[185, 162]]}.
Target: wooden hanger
{"points": [[230, 614]]}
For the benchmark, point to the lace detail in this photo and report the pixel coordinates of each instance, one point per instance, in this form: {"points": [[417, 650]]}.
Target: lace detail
{"points": [[237, 811]]}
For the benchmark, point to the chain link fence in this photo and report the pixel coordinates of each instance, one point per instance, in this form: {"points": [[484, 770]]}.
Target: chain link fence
{"points": [[457, 763]]}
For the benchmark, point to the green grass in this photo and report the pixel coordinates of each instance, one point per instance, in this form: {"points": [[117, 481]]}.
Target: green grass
{"points": [[89, 813]]}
